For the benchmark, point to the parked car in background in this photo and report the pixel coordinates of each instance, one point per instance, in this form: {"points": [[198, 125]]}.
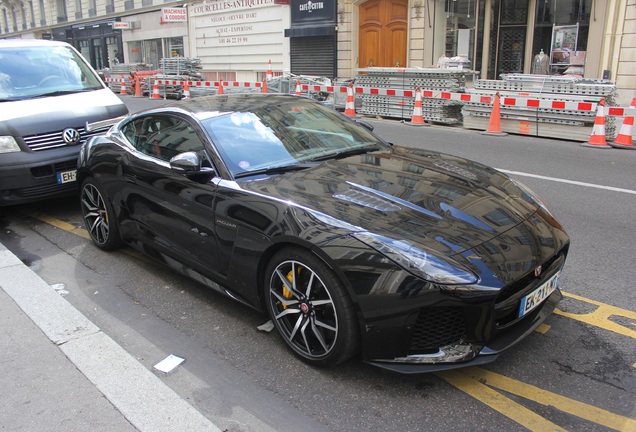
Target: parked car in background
{"points": [[420, 261], [48, 93]]}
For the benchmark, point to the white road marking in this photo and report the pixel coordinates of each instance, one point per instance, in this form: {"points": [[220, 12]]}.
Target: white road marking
{"points": [[591, 185]]}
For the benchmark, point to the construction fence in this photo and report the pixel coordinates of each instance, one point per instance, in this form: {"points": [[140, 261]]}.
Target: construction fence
{"points": [[564, 107]]}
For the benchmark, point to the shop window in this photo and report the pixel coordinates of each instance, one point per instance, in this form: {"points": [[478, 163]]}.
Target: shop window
{"points": [[556, 20], [174, 47]]}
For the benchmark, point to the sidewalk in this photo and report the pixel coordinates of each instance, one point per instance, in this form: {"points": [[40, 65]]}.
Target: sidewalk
{"points": [[59, 371]]}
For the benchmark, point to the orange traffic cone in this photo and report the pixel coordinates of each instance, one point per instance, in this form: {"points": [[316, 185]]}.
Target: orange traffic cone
{"points": [[123, 87], [624, 138], [269, 75], [298, 92], [220, 89], [494, 125], [186, 90], [264, 88], [418, 119], [350, 107], [155, 91], [597, 139], [138, 87]]}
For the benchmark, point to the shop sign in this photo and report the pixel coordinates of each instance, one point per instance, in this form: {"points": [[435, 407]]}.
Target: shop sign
{"points": [[121, 25], [173, 15], [308, 12]]}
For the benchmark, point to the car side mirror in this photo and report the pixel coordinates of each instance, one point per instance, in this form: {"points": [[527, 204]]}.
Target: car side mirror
{"points": [[188, 163]]}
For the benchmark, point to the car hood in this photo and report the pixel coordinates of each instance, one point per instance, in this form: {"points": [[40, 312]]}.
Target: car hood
{"points": [[46, 114], [440, 201]]}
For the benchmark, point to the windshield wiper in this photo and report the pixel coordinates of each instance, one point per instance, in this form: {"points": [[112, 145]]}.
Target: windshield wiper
{"points": [[275, 170], [346, 153], [60, 93]]}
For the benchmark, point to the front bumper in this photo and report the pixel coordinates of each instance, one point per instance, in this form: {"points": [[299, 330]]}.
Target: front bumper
{"points": [[28, 177], [467, 354]]}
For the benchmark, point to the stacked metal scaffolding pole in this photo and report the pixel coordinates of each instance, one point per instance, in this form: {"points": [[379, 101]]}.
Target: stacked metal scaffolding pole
{"points": [[434, 109], [554, 123]]}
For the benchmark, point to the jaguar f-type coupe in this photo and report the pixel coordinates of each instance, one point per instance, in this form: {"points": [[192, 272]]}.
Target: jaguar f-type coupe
{"points": [[415, 260]]}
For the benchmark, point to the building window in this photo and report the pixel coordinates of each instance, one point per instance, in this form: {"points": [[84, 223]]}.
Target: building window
{"points": [[110, 6], [62, 15], [24, 18], [42, 13], [129, 4], [15, 19], [146, 3], [78, 9], [32, 9]]}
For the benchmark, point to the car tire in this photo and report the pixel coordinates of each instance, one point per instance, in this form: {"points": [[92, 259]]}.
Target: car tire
{"points": [[99, 217], [310, 308]]}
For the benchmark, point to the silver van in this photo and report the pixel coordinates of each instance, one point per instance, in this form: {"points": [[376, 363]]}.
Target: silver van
{"points": [[48, 94]]}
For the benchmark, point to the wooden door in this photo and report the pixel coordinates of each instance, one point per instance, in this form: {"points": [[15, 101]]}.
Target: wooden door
{"points": [[383, 32]]}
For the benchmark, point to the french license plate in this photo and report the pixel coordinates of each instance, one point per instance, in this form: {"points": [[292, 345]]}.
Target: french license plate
{"points": [[66, 177], [536, 297]]}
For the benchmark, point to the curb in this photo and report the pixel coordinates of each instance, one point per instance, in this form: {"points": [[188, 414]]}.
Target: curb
{"points": [[142, 398]]}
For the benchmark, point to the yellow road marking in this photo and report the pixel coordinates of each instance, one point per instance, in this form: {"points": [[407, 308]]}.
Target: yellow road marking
{"points": [[83, 233], [495, 400], [601, 316], [62, 225], [543, 329], [547, 398]]}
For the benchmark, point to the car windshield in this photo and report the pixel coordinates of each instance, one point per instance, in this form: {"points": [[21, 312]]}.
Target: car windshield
{"points": [[28, 72], [286, 135]]}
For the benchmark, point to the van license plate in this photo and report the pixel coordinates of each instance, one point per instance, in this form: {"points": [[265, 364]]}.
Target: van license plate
{"points": [[536, 297], [66, 177]]}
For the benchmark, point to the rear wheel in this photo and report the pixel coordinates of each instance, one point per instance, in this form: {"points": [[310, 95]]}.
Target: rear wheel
{"points": [[310, 308], [99, 217]]}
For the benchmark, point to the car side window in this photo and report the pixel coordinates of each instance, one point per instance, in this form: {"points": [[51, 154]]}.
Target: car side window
{"points": [[163, 137]]}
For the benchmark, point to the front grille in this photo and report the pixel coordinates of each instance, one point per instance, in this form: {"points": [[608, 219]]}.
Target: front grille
{"points": [[509, 299], [52, 169], [54, 140], [46, 190], [521, 284], [435, 328]]}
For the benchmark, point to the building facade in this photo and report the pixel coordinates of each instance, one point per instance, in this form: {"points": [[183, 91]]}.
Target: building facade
{"points": [[238, 39]]}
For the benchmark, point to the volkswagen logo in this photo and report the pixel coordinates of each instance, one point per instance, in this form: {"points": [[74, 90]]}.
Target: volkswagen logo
{"points": [[71, 136]]}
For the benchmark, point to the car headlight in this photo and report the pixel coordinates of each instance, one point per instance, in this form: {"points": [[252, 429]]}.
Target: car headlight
{"points": [[532, 197], [8, 144], [417, 261]]}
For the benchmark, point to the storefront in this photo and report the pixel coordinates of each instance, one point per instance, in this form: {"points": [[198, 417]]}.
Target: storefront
{"points": [[237, 40], [313, 38], [495, 36], [98, 42], [149, 37]]}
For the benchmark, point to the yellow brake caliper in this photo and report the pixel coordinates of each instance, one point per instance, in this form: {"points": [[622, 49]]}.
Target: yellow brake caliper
{"points": [[287, 293]]}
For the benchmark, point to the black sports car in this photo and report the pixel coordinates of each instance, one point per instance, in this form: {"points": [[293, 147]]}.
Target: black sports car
{"points": [[420, 261]]}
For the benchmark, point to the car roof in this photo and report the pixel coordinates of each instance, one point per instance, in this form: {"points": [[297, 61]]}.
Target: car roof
{"points": [[16, 43]]}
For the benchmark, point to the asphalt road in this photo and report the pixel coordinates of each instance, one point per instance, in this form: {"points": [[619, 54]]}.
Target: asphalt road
{"points": [[578, 373]]}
